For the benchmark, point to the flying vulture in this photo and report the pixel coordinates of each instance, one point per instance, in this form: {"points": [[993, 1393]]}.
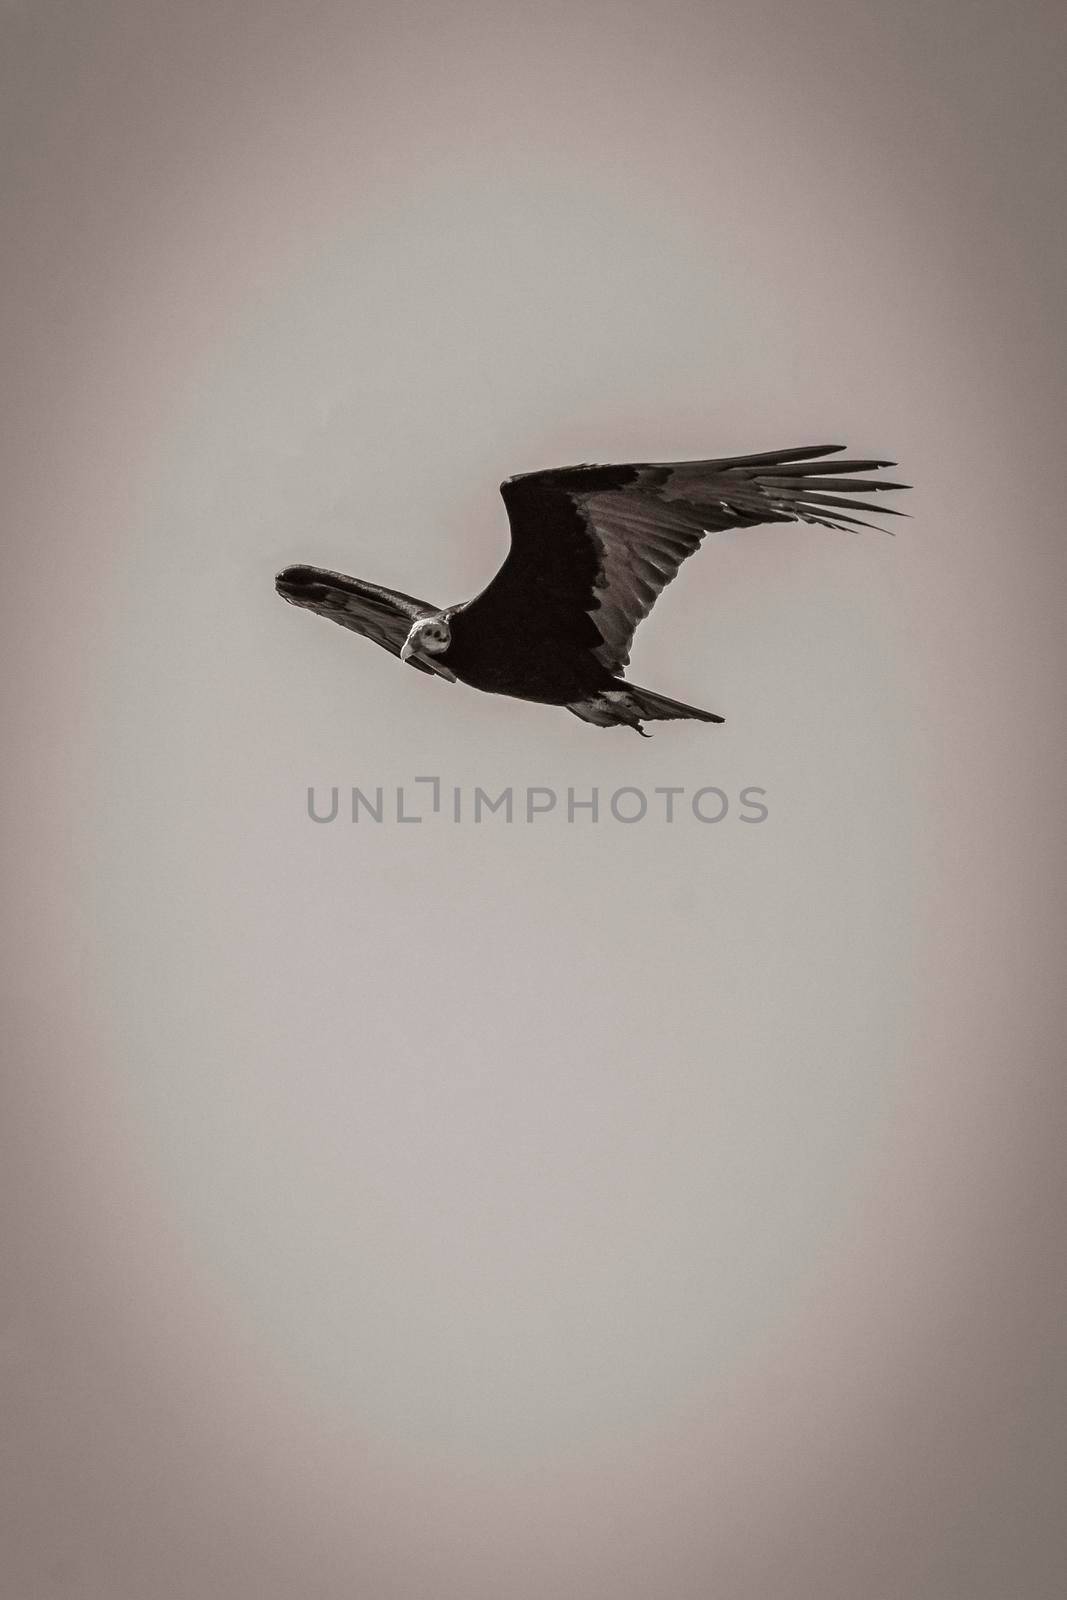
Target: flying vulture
{"points": [[591, 548]]}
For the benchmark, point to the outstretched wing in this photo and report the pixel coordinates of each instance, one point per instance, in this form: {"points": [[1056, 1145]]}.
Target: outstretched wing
{"points": [[601, 543], [379, 614]]}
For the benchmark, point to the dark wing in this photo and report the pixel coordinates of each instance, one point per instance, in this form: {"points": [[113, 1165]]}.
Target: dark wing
{"points": [[379, 614], [601, 543]]}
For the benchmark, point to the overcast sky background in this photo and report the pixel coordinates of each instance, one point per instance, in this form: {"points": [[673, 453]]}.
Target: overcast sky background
{"points": [[529, 1211]]}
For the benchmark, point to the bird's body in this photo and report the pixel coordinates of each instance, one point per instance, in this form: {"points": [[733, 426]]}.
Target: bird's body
{"points": [[591, 549], [545, 671]]}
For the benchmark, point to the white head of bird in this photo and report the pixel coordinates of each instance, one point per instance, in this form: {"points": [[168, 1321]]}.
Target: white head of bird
{"points": [[430, 636]]}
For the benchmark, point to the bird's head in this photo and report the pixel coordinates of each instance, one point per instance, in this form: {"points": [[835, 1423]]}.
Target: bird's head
{"points": [[430, 636]]}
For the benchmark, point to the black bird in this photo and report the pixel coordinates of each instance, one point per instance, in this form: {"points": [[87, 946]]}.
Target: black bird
{"points": [[591, 549]]}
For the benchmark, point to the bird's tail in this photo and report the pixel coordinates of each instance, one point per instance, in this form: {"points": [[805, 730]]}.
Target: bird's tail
{"points": [[626, 705], [657, 708]]}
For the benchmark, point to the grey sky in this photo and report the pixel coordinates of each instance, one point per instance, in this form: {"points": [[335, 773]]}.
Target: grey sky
{"points": [[529, 1211]]}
